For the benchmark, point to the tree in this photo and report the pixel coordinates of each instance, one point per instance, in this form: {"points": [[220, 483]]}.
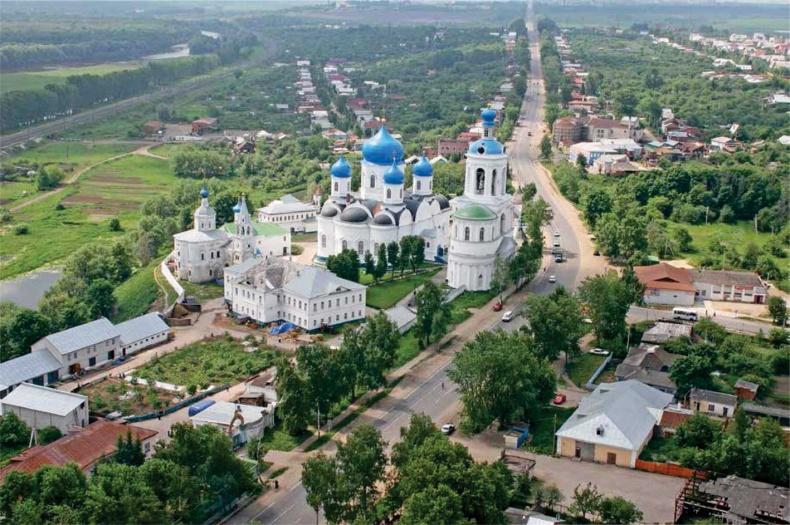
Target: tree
{"points": [[500, 378], [49, 434], [555, 322], [345, 265], [586, 500], [380, 338], [13, 431], [294, 404], [697, 431], [321, 367], [608, 299], [545, 147], [404, 259], [618, 510], [432, 318], [683, 238], [436, 505], [692, 371], [114, 225], [174, 487], [370, 266], [635, 287], [381, 263], [320, 480], [19, 329], [596, 202], [129, 451], [778, 309], [393, 251], [501, 275], [118, 494], [551, 496], [361, 462]]}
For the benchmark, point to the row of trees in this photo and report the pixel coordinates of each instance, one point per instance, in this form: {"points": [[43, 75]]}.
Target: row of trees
{"points": [[321, 377], [192, 476], [430, 480], [23, 108]]}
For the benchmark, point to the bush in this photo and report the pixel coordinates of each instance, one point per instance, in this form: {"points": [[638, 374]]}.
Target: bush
{"points": [[21, 229], [115, 225], [49, 434]]}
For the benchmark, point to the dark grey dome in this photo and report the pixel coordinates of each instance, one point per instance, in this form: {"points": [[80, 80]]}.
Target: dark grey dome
{"points": [[382, 219], [328, 210], [442, 200], [354, 214]]}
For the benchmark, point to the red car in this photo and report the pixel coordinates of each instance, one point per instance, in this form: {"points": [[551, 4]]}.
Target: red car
{"points": [[559, 399], [497, 306]]}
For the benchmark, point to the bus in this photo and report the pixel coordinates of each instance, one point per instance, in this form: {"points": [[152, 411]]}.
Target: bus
{"points": [[684, 314]]}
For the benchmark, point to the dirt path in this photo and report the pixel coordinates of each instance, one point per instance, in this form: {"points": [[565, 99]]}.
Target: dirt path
{"points": [[143, 151]]}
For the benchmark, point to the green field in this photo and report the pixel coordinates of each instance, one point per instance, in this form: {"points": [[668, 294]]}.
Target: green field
{"points": [[387, 294], [210, 362], [582, 368], [26, 80], [135, 295], [543, 426], [116, 188], [12, 192]]}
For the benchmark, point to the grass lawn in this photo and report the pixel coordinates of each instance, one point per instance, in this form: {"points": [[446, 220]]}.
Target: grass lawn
{"points": [[407, 349], [27, 80], [304, 237], [581, 368], [12, 192], [166, 150], [72, 155], [202, 291], [660, 449], [135, 295], [213, 362], [388, 293], [278, 439], [543, 426]]}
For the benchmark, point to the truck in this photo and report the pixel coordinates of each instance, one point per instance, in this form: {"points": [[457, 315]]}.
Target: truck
{"points": [[200, 406]]}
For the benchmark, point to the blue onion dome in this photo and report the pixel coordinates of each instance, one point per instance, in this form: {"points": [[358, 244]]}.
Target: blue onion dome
{"points": [[382, 148], [489, 116], [486, 146], [423, 168], [204, 193], [341, 169], [393, 175]]}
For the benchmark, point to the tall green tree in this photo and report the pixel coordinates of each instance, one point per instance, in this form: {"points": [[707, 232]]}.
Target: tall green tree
{"points": [[436, 505], [322, 487], [19, 329], [607, 298], [381, 263], [432, 316], [294, 406], [129, 451], [393, 256], [545, 147], [778, 309], [370, 265], [118, 494], [500, 378], [362, 461], [555, 322], [345, 265], [618, 510]]}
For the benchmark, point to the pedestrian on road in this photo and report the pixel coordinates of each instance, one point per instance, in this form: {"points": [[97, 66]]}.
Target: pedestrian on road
{"points": [[442, 385], [276, 485]]}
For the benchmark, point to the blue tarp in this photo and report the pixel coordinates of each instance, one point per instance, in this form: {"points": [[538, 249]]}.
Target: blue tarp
{"points": [[281, 329]]}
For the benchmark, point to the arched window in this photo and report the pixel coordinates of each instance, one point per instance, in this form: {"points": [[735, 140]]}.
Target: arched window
{"points": [[360, 247], [482, 234], [389, 193], [493, 182], [466, 233], [336, 186], [419, 186], [502, 223], [372, 181], [480, 180], [323, 241], [344, 244]]}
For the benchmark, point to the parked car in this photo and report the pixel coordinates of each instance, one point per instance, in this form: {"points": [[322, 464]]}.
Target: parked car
{"points": [[559, 399], [558, 257], [497, 306], [596, 253], [508, 316], [598, 351], [529, 133], [552, 278], [448, 428], [556, 234]]}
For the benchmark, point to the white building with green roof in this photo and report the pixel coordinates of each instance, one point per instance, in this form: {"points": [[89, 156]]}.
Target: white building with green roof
{"points": [[202, 253], [482, 218]]}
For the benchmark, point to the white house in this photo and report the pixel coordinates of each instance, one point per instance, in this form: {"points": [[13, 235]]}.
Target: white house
{"points": [[85, 346], [291, 214], [40, 406], [712, 403], [482, 218], [613, 424], [142, 332], [274, 290], [724, 285], [201, 253], [240, 422], [666, 284]]}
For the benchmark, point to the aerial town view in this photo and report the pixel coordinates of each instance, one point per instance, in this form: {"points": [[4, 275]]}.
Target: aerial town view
{"points": [[416, 262]]}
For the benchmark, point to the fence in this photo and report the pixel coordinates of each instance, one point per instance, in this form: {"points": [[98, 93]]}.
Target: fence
{"points": [[177, 406], [669, 469], [590, 384]]}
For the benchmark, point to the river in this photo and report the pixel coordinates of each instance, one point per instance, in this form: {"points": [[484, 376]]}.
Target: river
{"points": [[28, 289], [177, 51]]}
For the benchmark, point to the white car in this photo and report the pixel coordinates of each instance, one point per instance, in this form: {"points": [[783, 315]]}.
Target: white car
{"points": [[556, 234], [508, 316], [599, 351], [448, 428], [552, 278]]}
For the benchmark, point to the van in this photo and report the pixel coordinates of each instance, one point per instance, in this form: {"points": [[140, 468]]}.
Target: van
{"points": [[508, 316]]}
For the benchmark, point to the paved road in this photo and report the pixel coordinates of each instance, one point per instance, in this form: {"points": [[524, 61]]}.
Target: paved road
{"points": [[639, 313]]}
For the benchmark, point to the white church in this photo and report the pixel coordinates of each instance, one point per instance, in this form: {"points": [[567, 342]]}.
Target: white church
{"points": [[468, 233], [201, 253], [383, 211], [482, 220]]}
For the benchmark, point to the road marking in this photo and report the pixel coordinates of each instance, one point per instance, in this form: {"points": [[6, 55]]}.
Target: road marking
{"points": [[275, 503], [283, 512]]}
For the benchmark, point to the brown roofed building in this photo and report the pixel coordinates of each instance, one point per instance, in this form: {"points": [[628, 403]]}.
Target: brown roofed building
{"points": [[666, 284], [746, 389], [85, 448], [450, 147], [568, 130], [202, 125]]}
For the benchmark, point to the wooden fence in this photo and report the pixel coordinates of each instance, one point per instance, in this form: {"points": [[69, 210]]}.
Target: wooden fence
{"points": [[669, 469]]}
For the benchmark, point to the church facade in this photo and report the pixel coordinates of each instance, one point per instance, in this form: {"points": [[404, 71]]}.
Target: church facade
{"points": [[383, 211], [201, 253], [482, 219]]}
